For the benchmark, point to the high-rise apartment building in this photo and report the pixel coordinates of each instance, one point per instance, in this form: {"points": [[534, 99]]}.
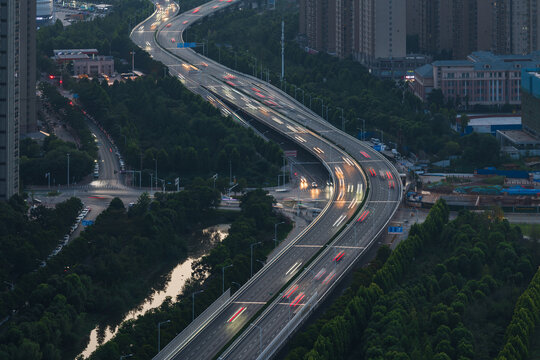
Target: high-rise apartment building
{"points": [[10, 105], [379, 30], [460, 27], [27, 24], [367, 29]]}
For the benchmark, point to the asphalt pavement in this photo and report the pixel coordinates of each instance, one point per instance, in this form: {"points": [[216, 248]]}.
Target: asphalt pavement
{"points": [[235, 93]]}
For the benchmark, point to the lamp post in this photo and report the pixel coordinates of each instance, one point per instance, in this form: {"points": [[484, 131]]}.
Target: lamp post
{"points": [[251, 246], [275, 233], [193, 303], [363, 128], [342, 119], [68, 170], [223, 277], [156, 172], [322, 106], [159, 333]]}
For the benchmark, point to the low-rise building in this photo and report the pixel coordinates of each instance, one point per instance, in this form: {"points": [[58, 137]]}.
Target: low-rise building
{"points": [[482, 79], [94, 66]]}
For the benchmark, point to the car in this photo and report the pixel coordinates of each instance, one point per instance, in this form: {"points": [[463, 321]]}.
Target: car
{"points": [[196, 10], [314, 185], [66, 237], [185, 22], [173, 40], [168, 25]]}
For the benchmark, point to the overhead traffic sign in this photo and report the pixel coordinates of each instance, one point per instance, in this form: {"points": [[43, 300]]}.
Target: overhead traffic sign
{"points": [[186, 45]]}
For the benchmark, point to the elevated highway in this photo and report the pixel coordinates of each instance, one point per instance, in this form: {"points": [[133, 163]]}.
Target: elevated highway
{"points": [[363, 195]]}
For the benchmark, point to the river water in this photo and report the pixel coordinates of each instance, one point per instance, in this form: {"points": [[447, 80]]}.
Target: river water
{"points": [[178, 277]]}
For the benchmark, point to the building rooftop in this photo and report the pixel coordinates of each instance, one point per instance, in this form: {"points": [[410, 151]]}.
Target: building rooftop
{"points": [[426, 71], [74, 51], [71, 57], [498, 120], [484, 60], [519, 137]]}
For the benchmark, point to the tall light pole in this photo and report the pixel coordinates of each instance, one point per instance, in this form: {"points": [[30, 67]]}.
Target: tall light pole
{"points": [[260, 336], [342, 119], [68, 170], [275, 233], [251, 246], [156, 172], [132, 61], [223, 277], [363, 128], [282, 49], [159, 333], [193, 303]]}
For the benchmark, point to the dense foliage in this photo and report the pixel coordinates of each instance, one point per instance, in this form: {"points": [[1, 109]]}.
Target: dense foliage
{"points": [[27, 237], [447, 292], [524, 322], [324, 80], [255, 223], [101, 274], [163, 120]]}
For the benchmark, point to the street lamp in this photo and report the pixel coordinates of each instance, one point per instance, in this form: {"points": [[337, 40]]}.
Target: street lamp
{"points": [[342, 119], [156, 172], [223, 277], [322, 106], [363, 128], [275, 233], [159, 334], [68, 170], [193, 303], [251, 246]]}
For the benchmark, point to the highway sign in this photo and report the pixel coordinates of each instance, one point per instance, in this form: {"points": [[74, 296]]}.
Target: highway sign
{"points": [[290, 153], [87, 222], [377, 147], [186, 45], [395, 229]]}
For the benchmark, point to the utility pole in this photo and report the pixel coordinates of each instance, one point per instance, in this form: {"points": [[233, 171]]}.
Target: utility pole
{"points": [[282, 49]]}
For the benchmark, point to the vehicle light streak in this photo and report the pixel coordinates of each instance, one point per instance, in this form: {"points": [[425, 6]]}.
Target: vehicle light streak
{"points": [[236, 314], [363, 216], [293, 268], [297, 299], [339, 220], [320, 274], [329, 277], [290, 292]]}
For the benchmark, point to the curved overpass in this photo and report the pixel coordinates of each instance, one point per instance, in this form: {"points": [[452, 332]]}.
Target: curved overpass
{"points": [[308, 267]]}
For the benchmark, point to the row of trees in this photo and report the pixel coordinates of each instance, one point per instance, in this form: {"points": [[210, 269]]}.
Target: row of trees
{"points": [[255, 223], [338, 336], [51, 156], [328, 84], [160, 119], [26, 238], [447, 292], [524, 323]]}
